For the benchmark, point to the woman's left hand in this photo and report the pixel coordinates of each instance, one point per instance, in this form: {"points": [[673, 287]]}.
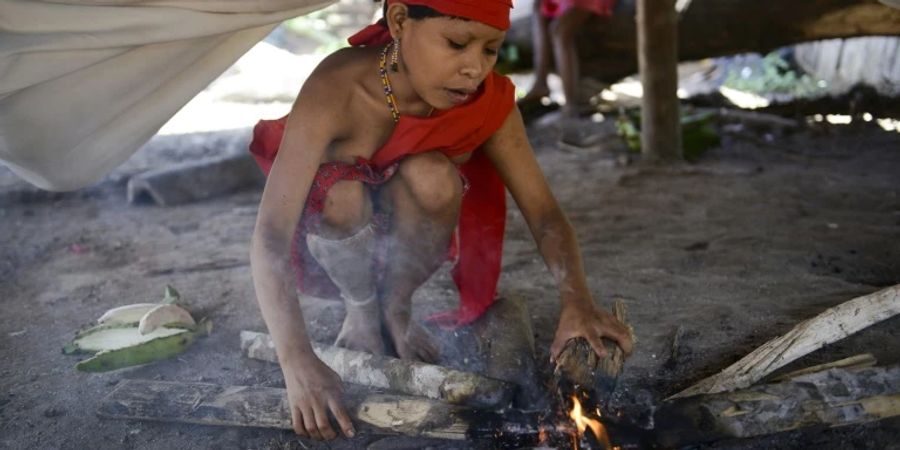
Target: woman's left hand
{"points": [[587, 320]]}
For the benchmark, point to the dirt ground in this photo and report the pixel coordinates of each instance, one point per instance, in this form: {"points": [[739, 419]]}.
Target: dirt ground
{"points": [[738, 248]]}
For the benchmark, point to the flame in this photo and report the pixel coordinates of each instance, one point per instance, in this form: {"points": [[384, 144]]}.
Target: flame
{"points": [[582, 422]]}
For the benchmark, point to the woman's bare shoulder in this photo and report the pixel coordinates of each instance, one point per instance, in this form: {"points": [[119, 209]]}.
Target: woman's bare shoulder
{"points": [[329, 98], [347, 66]]}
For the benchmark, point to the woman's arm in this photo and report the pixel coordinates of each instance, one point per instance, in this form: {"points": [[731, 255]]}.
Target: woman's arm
{"points": [[513, 157], [313, 388]]}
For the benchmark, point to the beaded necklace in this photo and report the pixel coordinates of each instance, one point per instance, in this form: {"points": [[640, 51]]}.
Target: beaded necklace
{"points": [[388, 90], [386, 82]]}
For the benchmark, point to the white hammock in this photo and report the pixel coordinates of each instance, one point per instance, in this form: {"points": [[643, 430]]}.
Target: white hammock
{"points": [[85, 83]]}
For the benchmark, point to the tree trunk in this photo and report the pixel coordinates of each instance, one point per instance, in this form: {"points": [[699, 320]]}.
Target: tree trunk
{"points": [[658, 60], [608, 46]]}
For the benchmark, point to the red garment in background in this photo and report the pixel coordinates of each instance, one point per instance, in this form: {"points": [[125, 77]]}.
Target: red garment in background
{"points": [[453, 132], [555, 8]]}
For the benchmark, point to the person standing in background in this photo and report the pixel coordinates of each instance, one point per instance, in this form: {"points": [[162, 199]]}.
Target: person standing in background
{"points": [[555, 24]]}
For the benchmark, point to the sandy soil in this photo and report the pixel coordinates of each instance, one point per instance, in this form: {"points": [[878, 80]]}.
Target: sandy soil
{"points": [[736, 249]]}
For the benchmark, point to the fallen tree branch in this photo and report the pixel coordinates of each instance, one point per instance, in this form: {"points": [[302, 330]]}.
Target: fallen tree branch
{"points": [[830, 326], [833, 398], [407, 377]]}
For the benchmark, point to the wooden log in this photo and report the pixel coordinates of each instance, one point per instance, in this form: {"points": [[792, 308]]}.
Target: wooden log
{"points": [[833, 398], [407, 377], [250, 406], [832, 325], [657, 30], [195, 180], [267, 407], [607, 47], [508, 340], [580, 366], [853, 362]]}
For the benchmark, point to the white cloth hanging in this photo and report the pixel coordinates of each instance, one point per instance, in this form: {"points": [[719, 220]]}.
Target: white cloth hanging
{"points": [[85, 83]]}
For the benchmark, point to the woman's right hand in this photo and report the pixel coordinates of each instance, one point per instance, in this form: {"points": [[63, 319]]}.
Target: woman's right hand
{"points": [[313, 390]]}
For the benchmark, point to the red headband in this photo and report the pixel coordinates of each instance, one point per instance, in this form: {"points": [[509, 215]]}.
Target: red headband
{"points": [[494, 13]]}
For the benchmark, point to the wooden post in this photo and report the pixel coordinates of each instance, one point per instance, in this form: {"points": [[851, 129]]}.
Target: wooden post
{"points": [[657, 25]]}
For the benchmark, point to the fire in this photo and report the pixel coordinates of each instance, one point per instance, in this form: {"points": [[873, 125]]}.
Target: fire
{"points": [[583, 422]]}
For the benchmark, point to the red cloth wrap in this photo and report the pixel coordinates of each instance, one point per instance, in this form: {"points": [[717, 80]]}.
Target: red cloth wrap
{"points": [[553, 9], [453, 132], [489, 12]]}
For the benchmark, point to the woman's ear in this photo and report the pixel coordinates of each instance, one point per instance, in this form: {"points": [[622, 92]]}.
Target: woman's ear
{"points": [[397, 15]]}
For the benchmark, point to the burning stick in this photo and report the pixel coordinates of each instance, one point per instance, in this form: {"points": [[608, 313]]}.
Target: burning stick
{"points": [[408, 377], [580, 366], [585, 381]]}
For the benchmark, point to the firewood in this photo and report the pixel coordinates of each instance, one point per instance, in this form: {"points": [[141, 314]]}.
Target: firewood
{"points": [[832, 325], [507, 337], [407, 377], [580, 366], [267, 407], [831, 398], [853, 362]]}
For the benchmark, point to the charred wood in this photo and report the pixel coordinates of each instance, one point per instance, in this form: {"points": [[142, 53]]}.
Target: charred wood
{"points": [[507, 337], [579, 367]]}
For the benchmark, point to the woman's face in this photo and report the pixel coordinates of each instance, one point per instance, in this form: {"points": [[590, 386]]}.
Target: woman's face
{"points": [[447, 59]]}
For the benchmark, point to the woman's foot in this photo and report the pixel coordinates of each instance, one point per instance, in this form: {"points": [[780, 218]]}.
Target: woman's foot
{"points": [[536, 94], [361, 330], [410, 340]]}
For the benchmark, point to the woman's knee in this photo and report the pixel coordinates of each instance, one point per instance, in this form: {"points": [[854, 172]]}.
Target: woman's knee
{"points": [[347, 207], [433, 182]]}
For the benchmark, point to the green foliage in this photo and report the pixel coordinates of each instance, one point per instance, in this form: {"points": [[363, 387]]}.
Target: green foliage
{"points": [[698, 132], [775, 78], [509, 59]]}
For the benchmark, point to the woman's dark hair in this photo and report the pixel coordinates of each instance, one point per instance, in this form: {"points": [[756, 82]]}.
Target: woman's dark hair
{"points": [[419, 12]]}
